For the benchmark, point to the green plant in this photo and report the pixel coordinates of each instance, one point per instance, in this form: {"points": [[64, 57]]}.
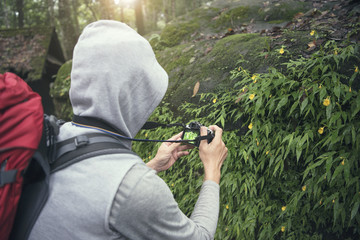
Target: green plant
{"points": [[294, 148]]}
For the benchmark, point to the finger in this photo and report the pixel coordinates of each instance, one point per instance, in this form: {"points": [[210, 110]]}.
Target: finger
{"points": [[217, 131], [176, 137], [185, 147], [203, 132], [181, 154]]}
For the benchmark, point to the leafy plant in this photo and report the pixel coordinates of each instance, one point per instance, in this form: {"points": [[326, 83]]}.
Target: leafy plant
{"points": [[293, 139]]}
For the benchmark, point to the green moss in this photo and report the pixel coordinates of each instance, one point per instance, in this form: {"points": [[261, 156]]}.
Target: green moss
{"points": [[283, 11], [60, 92], [211, 69], [174, 34], [228, 17]]}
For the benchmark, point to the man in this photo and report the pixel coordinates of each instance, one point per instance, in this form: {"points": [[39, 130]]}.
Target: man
{"points": [[115, 77]]}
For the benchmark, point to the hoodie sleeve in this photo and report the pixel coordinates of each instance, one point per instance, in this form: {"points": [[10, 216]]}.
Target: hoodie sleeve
{"points": [[144, 208]]}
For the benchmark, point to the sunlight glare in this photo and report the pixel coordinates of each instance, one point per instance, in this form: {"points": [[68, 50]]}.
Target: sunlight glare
{"points": [[124, 1]]}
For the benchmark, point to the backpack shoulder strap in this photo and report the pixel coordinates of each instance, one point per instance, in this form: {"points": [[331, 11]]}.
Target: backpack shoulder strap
{"points": [[86, 146]]}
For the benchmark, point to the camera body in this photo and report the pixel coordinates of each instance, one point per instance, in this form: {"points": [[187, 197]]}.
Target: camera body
{"points": [[192, 132]]}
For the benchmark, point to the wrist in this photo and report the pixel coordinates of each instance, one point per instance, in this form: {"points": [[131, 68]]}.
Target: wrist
{"points": [[151, 165], [213, 175]]}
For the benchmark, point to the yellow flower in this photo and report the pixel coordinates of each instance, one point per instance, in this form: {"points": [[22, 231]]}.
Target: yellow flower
{"points": [[149, 157], [172, 184], [250, 126], [253, 77], [146, 134], [281, 51], [320, 86], [226, 229], [257, 142], [227, 206], [214, 101], [267, 152], [326, 101], [283, 208], [283, 228], [312, 32], [333, 201], [356, 69], [343, 162], [321, 130], [251, 97], [336, 52], [350, 89], [304, 188], [270, 96]]}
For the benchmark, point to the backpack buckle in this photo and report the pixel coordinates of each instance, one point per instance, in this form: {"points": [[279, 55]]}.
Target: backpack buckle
{"points": [[81, 140]]}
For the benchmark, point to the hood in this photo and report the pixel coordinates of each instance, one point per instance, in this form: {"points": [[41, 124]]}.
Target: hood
{"points": [[115, 76]]}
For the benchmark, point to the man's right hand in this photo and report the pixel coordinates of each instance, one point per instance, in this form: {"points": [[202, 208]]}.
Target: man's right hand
{"points": [[212, 154]]}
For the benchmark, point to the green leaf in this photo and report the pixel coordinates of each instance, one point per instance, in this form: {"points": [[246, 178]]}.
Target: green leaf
{"points": [[337, 172], [337, 91], [298, 153], [303, 105], [312, 166], [329, 162], [323, 93], [282, 102], [293, 107], [328, 111], [258, 104], [354, 210]]}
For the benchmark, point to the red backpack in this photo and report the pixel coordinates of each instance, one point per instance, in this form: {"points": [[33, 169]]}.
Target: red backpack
{"points": [[21, 124], [29, 153]]}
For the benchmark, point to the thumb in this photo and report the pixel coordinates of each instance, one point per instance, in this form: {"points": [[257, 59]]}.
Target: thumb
{"points": [[203, 132]]}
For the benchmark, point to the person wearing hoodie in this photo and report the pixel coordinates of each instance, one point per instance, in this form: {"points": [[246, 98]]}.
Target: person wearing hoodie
{"points": [[116, 77]]}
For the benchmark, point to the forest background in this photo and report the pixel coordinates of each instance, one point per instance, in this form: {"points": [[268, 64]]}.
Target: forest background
{"points": [[281, 77]]}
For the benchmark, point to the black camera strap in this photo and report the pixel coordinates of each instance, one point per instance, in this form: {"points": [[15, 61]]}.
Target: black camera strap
{"points": [[105, 127]]}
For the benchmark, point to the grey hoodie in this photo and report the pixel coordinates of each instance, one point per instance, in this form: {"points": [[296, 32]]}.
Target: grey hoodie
{"points": [[116, 77]]}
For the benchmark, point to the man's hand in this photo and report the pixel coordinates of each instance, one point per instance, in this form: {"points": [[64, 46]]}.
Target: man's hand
{"points": [[213, 154], [168, 153]]}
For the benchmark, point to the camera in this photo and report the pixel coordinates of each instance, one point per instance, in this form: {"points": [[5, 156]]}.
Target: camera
{"points": [[192, 133]]}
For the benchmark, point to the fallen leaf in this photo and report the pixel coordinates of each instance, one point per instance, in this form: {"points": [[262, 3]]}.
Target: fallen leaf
{"points": [[312, 45], [208, 50], [196, 88]]}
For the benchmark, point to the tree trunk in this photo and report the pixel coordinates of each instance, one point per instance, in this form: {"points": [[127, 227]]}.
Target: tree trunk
{"points": [[139, 17], [20, 10], [122, 6], [88, 5], [166, 10], [6, 14], [51, 12], [75, 6], [106, 9], [173, 9], [69, 36]]}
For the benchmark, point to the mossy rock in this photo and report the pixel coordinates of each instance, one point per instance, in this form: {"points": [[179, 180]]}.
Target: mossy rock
{"points": [[284, 11], [208, 62], [60, 92], [235, 16], [174, 34]]}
